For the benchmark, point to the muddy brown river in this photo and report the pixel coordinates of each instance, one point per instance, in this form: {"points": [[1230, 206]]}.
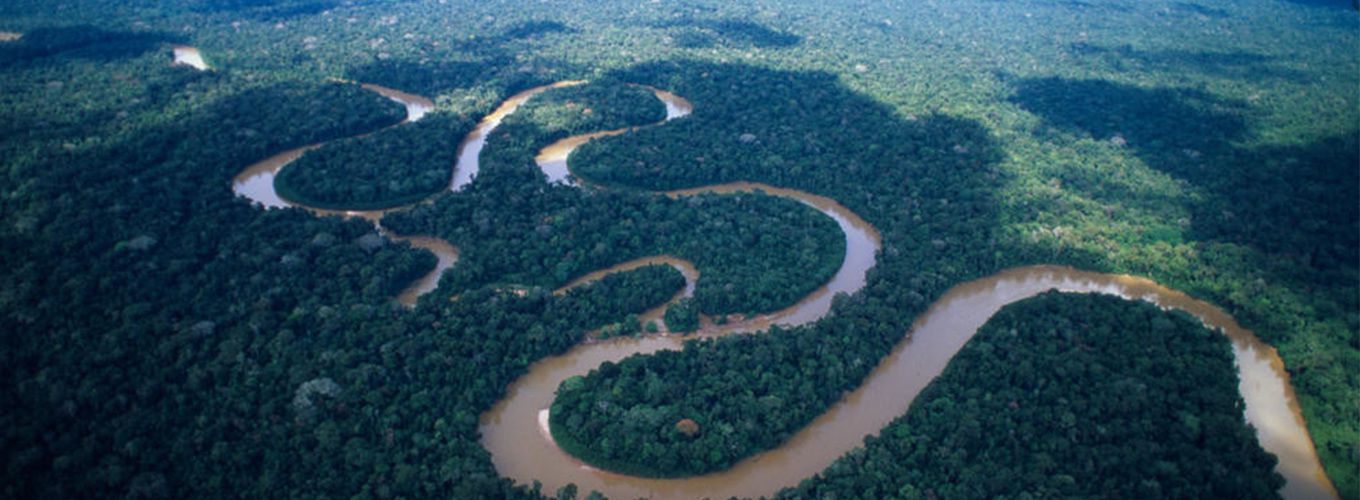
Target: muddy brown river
{"points": [[256, 183], [552, 160], [515, 430]]}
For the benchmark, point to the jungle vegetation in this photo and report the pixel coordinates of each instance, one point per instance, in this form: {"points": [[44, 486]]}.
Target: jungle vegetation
{"points": [[158, 331], [393, 168], [1069, 395]]}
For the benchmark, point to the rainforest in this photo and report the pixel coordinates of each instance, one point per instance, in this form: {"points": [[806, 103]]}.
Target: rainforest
{"points": [[680, 249]]}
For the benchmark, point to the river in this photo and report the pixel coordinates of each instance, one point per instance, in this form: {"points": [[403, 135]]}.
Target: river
{"points": [[256, 183], [515, 429], [525, 456], [552, 160]]}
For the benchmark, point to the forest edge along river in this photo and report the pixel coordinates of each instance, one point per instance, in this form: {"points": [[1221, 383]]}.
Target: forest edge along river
{"points": [[510, 427], [685, 267], [886, 394], [256, 183]]}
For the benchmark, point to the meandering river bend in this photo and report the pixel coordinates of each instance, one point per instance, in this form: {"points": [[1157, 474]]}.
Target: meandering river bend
{"points": [[515, 429]]}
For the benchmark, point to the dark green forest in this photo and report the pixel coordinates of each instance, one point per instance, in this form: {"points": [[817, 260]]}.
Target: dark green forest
{"points": [[392, 168], [512, 228], [166, 339], [1069, 395], [388, 169], [601, 104]]}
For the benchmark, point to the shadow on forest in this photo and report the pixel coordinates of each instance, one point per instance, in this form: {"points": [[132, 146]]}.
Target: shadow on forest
{"points": [[269, 10], [425, 79], [731, 33], [1296, 200], [495, 61], [530, 29], [81, 42], [1095, 6], [1224, 64], [1200, 10], [1330, 4], [927, 182]]}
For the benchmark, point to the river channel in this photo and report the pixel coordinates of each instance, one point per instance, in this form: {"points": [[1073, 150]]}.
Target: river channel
{"points": [[527, 456], [515, 430]]}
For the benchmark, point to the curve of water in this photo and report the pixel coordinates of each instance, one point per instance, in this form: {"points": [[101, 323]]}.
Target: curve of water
{"points": [[887, 393], [552, 160], [190, 56], [472, 146], [655, 314], [256, 183]]}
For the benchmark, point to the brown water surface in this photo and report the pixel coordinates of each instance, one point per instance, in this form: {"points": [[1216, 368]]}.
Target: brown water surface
{"points": [[471, 148], [256, 183], [552, 160], [442, 250], [887, 393], [521, 449], [515, 429]]}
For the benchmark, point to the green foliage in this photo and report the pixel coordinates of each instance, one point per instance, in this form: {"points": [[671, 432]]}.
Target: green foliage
{"points": [[156, 328], [1070, 395], [756, 253], [390, 168], [682, 317], [268, 10], [594, 106], [402, 165], [80, 42], [922, 199], [649, 285]]}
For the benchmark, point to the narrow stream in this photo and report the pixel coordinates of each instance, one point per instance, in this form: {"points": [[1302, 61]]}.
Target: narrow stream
{"points": [[552, 160]]}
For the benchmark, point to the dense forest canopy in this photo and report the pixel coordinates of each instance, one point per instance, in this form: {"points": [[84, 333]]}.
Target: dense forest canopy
{"points": [[1069, 396], [163, 338]]}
